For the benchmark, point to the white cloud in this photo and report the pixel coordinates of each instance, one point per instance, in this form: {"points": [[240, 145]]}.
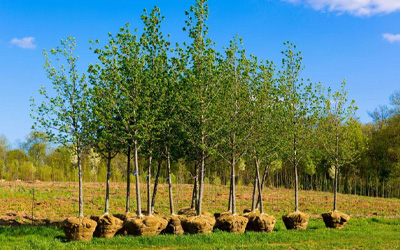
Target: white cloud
{"points": [[25, 43], [392, 38], [353, 7]]}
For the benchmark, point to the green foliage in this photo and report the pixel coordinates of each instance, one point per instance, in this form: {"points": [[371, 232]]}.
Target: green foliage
{"points": [[217, 181], [275, 165], [309, 166], [64, 116]]}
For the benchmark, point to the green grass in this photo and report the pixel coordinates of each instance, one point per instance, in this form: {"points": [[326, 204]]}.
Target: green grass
{"points": [[372, 233]]}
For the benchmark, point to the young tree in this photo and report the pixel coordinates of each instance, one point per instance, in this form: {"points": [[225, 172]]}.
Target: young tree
{"points": [[123, 59], [103, 113], [201, 87], [64, 117], [338, 138], [155, 53], [301, 111], [171, 136], [338, 127], [235, 109], [266, 138]]}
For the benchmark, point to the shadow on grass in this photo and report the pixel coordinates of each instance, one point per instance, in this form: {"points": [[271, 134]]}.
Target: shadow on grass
{"points": [[61, 238]]}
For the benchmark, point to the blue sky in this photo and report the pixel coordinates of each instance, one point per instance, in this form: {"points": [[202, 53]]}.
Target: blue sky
{"points": [[354, 39]]}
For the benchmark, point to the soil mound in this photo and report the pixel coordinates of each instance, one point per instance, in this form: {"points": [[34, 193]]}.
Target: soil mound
{"points": [[107, 225], [124, 217], [145, 226], [174, 224], [296, 220], [231, 223], [78, 228], [198, 224], [260, 222], [335, 219]]}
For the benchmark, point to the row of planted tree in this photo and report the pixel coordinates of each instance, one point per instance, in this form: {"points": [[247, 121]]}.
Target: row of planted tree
{"points": [[145, 97]]}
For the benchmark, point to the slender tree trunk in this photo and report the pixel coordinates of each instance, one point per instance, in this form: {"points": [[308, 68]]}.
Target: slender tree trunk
{"points": [[336, 171], [201, 186], [195, 191], [233, 184], [259, 187], [230, 194], [107, 203], [171, 199], [128, 180], [153, 199], [262, 182], [335, 189], [149, 185], [138, 201], [80, 186], [253, 199], [296, 178]]}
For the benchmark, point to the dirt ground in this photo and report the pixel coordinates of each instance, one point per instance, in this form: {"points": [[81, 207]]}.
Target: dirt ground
{"points": [[48, 203]]}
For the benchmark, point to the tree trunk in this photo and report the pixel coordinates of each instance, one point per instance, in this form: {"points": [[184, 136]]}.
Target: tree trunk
{"points": [[230, 194], [203, 158], [233, 163], [153, 199], [138, 201], [195, 191], [128, 180], [296, 178], [80, 186], [335, 189], [253, 198], [171, 199], [259, 188], [262, 182], [107, 203], [149, 185]]}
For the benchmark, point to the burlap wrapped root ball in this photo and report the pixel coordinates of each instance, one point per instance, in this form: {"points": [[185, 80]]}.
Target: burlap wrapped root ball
{"points": [[107, 225], [124, 217], [198, 224], [232, 223], [174, 224], [145, 226], [296, 220], [335, 219], [260, 222], [78, 228]]}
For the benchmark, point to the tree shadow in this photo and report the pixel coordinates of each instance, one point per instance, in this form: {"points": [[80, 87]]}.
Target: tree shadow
{"points": [[61, 238]]}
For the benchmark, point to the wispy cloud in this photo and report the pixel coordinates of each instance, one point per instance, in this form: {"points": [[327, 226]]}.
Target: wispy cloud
{"points": [[353, 7], [24, 43], [392, 38]]}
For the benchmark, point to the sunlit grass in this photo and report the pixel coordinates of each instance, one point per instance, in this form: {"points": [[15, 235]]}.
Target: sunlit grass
{"points": [[372, 233]]}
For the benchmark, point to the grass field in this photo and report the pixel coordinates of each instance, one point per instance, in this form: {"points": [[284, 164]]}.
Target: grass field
{"points": [[372, 233], [375, 222]]}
